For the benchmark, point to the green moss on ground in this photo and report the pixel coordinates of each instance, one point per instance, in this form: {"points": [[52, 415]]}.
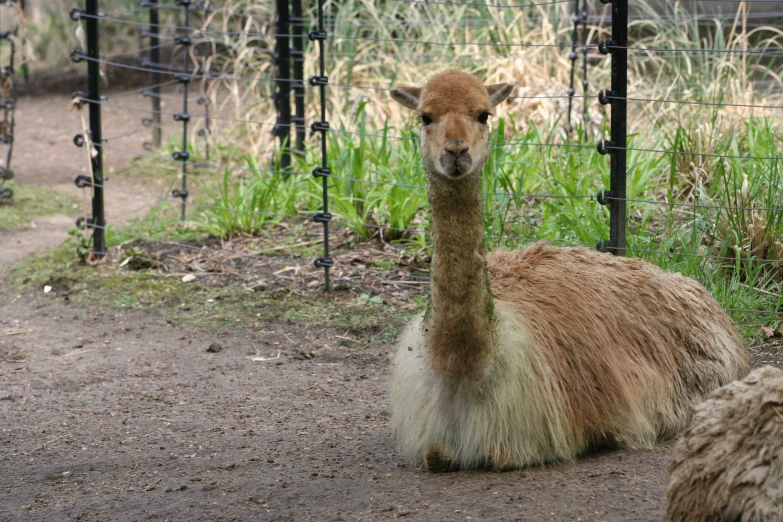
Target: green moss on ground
{"points": [[199, 305], [30, 203]]}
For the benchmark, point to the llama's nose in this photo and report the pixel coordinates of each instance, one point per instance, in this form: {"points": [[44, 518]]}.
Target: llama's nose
{"points": [[456, 147], [455, 159]]}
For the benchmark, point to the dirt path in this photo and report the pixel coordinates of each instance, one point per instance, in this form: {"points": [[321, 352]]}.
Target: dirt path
{"points": [[45, 156], [127, 417]]}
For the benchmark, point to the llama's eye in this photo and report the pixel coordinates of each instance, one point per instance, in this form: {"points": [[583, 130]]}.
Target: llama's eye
{"points": [[426, 120], [483, 117]]}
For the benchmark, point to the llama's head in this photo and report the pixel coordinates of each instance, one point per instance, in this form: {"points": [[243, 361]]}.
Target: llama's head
{"points": [[454, 107]]}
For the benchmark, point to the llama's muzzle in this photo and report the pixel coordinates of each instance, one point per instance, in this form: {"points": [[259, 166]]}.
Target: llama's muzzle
{"points": [[455, 164]]}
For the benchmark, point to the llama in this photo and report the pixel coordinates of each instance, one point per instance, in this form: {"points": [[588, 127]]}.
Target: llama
{"points": [[541, 354], [728, 466]]}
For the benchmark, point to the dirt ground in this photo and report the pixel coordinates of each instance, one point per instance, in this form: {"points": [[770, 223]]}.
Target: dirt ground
{"points": [[108, 415], [125, 417]]}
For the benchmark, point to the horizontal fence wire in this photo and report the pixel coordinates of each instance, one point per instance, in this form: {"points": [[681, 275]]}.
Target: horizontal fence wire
{"points": [[705, 104], [537, 19], [196, 115], [189, 76], [308, 214], [701, 51], [198, 164], [479, 4], [453, 44], [512, 195]]}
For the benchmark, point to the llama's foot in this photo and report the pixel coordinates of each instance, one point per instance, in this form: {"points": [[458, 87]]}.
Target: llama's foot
{"points": [[437, 460], [499, 462], [503, 463]]}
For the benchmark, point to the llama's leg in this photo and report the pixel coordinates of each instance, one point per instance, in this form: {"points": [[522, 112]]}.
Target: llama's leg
{"points": [[437, 460]]}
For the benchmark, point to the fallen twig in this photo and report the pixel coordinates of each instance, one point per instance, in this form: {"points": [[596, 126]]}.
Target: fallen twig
{"points": [[43, 446], [258, 358], [17, 332], [148, 487], [78, 352]]}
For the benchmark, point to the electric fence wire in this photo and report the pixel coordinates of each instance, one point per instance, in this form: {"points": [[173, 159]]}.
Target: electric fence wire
{"points": [[479, 4], [141, 90], [307, 214], [189, 76], [512, 195], [377, 88], [200, 164], [400, 24]]}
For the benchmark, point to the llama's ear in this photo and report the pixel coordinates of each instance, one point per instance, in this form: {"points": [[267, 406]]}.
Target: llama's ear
{"points": [[408, 96], [499, 92]]}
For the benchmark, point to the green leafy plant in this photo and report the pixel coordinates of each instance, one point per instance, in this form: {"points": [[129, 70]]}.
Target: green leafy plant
{"points": [[82, 243]]}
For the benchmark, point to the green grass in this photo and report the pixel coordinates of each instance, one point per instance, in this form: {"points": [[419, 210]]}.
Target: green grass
{"points": [[30, 203]]}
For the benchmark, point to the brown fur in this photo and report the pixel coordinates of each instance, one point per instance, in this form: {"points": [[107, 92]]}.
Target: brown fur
{"points": [[460, 290], [605, 321], [544, 353], [728, 466]]}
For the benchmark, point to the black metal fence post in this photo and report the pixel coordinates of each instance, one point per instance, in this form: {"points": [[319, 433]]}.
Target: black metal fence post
{"points": [[98, 221], [297, 52], [282, 128], [153, 34], [616, 145], [184, 78], [322, 126]]}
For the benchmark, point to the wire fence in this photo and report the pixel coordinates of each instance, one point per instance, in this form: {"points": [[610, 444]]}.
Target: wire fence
{"points": [[315, 78]]}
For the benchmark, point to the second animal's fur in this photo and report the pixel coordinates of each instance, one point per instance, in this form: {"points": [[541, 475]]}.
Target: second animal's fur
{"points": [[728, 466], [539, 354]]}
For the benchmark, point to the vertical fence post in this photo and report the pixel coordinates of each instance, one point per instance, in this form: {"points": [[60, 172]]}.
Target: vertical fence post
{"points": [[282, 128], [298, 31], [94, 141], [183, 155], [98, 222], [322, 126], [155, 72], [616, 145]]}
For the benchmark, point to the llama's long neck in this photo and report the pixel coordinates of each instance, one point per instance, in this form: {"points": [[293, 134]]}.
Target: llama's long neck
{"points": [[459, 321]]}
